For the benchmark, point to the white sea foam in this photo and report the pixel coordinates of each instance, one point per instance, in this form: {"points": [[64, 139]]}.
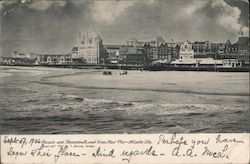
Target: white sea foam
{"points": [[141, 102]]}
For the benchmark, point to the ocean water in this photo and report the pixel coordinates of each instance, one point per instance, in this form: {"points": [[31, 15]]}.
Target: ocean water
{"points": [[60, 101]]}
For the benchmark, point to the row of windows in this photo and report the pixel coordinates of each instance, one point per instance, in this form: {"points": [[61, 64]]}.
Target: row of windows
{"points": [[233, 56], [186, 57], [92, 59]]}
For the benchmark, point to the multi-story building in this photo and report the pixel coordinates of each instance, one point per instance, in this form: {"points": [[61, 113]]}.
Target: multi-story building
{"points": [[112, 53], [91, 49], [131, 56], [207, 49], [160, 50], [237, 54], [151, 51], [165, 52], [201, 47]]}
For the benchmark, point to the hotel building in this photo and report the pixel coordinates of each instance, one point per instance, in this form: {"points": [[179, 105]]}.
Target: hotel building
{"points": [[237, 54], [90, 48]]}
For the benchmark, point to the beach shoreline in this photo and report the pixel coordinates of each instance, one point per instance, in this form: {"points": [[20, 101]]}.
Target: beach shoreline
{"points": [[59, 101]]}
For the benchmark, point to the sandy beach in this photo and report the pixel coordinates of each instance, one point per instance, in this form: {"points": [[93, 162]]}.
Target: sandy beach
{"points": [[39, 100]]}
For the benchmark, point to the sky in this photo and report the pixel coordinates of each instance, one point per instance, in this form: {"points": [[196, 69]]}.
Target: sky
{"points": [[54, 26]]}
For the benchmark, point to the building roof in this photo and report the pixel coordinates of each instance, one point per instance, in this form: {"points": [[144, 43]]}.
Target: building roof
{"points": [[199, 42], [243, 42], [56, 55], [112, 46], [75, 49], [159, 39], [129, 50], [228, 42], [123, 50], [132, 50]]}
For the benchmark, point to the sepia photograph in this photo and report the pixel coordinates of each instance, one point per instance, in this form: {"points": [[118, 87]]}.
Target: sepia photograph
{"points": [[124, 81], [124, 67]]}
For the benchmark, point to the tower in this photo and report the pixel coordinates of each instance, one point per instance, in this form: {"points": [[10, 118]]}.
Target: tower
{"points": [[240, 33]]}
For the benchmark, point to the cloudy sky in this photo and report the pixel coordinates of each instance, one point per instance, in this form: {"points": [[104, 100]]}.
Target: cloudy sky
{"points": [[53, 26]]}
